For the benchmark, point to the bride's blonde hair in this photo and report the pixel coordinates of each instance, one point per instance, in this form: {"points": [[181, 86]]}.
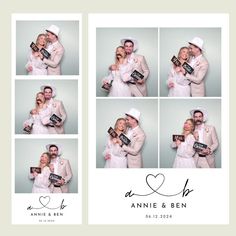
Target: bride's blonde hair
{"points": [[116, 124], [183, 49], [192, 125], [116, 60], [48, 157], [36, 104]]}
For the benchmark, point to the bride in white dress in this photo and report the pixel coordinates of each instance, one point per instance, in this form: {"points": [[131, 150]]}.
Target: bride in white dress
{"points": [[114, 155], [41, 180], [177, 83], [35, 66], [118, 75], [39, 116], [185, 152]]}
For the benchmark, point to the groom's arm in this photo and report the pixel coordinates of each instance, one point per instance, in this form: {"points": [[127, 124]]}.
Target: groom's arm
{"points": [[136, 147], [56, 60], [200, 75], [62, 111], [144, 67]]}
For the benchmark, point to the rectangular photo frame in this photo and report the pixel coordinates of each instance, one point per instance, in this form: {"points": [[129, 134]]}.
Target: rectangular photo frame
{"points": [[157, 194], [57, 120]]}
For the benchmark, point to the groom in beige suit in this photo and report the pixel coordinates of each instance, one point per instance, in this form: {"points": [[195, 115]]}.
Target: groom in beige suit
{"points": [[139, 88], [137, 137], [200, 66], [204, 134], [61, 167], [56, 50], [56, 107]]}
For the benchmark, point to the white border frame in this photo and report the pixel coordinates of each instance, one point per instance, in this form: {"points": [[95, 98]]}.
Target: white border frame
{"points": [[73, 215], [107, 204]]}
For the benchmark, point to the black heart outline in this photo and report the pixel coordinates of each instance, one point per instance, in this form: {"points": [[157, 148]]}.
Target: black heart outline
{"points": [[44, 197], [155, 176]]}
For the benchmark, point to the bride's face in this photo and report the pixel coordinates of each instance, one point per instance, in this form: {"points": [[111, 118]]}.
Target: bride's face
{"points": [[121, 125], [184, 54], [188, 126], [40, 98], [44, 159], [120, 52], [42, 40]]}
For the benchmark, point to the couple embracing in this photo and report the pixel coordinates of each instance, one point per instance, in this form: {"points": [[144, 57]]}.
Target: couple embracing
{"points": [[120, 155], [46, 55], [122, 80], [49, 114], [182, 82]]}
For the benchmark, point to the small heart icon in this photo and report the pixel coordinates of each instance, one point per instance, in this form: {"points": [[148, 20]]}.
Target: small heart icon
{"points": [[154, 182], [44, 200]]}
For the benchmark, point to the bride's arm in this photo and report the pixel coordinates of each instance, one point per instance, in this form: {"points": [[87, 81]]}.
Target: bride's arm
{"points": [[107, 152]]}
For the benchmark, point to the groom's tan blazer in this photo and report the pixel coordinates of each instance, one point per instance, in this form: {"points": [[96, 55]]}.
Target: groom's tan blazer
{"points": [[59, 110], [140, 64], [64, 170], [54, 62], [134, 155], [197, 78], [211, 140]]}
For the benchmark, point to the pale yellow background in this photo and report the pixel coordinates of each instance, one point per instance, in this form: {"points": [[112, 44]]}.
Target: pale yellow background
{"points": [[101, 6]]}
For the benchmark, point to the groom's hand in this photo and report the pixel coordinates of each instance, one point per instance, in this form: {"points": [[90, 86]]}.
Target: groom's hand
{"points": [[140, 81], [60, 182], [58, 124]]}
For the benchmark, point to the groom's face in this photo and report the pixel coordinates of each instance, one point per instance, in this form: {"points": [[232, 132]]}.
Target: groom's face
{"points": [[53, 152], [129, 47], [198, 118], [129, 121], [47, 93], [50, 37], [193, 50]]}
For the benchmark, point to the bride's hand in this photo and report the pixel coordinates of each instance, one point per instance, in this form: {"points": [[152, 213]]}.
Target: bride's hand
{"points": [[107, 156], [171, 85], [177, 142], [177, 69], [36, 54], [29, 68], [119, 141], [35, 174], [182, 70], [113, 67], [114, 140]]}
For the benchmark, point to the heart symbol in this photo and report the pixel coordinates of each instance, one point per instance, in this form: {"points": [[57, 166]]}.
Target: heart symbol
{"points": [[44, 200], [154, 182]]}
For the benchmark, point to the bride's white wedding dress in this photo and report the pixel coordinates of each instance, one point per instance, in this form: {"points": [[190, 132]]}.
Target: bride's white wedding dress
{"points": [[181, 85], [39, 121], [39, 67], [184, 156], [119, 77], [41, 181], [118, 156]]}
